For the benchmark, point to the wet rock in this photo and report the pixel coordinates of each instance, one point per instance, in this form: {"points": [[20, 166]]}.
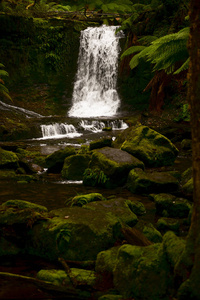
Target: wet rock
{"points": [[115, 163], [168, 205], [75, 166], [140, 182], [55, 161], [149, 146]]}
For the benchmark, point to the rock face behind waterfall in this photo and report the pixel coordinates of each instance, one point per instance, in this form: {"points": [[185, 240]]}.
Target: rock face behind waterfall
{"points": [[147, 145]]}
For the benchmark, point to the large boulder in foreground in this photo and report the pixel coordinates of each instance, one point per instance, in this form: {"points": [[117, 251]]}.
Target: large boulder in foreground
{"points": [[149, 146], [115, 163], [140, 182], [74, 233], [142, 272]]}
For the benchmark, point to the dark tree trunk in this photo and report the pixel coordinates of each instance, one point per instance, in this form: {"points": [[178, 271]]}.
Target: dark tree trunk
{"points": [[189, 266]]}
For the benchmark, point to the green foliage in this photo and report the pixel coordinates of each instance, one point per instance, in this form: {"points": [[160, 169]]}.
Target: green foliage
{"points": [[167, 53], [184, 114], [3, 89], [95, 177]]}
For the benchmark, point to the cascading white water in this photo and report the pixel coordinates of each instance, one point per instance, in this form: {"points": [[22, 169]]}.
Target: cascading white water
{"points": [[57, 130], [98, 126], [95, 91]]}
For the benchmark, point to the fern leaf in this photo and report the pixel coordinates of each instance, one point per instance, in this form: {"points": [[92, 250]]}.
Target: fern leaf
{"points": [[132, 50], [183, 67]]}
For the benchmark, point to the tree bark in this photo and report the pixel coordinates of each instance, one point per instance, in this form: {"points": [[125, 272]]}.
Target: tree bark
{"points": [[191, 258]]}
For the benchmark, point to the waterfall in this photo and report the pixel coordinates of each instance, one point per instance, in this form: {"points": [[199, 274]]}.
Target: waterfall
{"points": [[95, 91]]}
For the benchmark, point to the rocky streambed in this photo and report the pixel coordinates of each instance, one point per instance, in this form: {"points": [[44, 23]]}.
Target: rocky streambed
{"points": [[109, 219]]}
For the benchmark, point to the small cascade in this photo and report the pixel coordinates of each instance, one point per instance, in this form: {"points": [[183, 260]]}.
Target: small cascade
{"points": [[95, 91], [98, 126], [57, 130]]}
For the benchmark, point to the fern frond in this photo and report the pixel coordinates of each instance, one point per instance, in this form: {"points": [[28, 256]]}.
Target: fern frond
{"points": [[146, 40], [183, 67], [3, 73], [132, 50]]}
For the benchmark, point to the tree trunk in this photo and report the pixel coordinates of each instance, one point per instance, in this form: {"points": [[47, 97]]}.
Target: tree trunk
{"points": [[190, 262]]}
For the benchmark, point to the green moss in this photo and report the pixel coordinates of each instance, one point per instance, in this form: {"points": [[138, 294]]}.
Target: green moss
{"points": [[165, 224], [149, 146], [21, 204], [106, 260], [75, 166], [55, 161], [81, 200], [139, 270], [57, 277], [8, 158], [173, 206], [173, 247]]}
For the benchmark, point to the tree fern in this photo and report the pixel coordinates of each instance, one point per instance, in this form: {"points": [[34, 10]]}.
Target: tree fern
{"points": [[165, 53]]}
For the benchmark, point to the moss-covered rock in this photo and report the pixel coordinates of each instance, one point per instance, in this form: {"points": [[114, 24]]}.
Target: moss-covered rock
{"points": [[173, 246], [166, 224], [149, 146], [81, 200], [142, 272], [80, 233], [75, 166], [8, 159], [55, 161], [103, 142], [188, 187], [60, 277], [106, 260], [169, 205], [144, 182], [115, 163], [149, 231], [21, 212], [21, 204]]}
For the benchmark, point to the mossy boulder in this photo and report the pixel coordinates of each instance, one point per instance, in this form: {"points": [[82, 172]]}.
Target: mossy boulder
{"points": [[168, 205], [55, 161], [8, 159], [21, 212], [75, 166], [115, 163], [80, 233], [149, 231], [142, 272], [149, 146], [140, 182], [106, 261]]}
